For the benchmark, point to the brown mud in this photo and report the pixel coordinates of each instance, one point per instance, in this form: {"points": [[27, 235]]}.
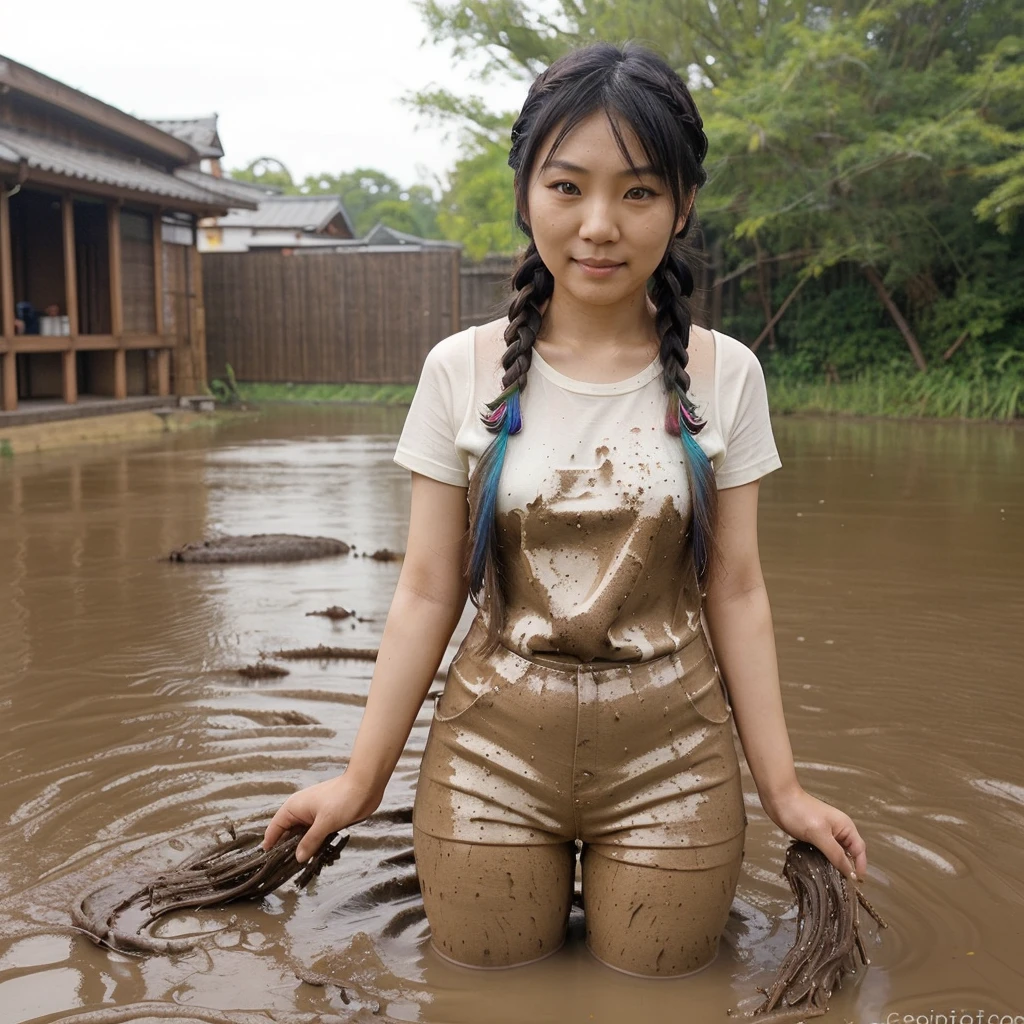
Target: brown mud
{"points": [[892, 559], [260, 547], [262, 670], [335, 613], [324, 652], [385, 555], [825, 950]]}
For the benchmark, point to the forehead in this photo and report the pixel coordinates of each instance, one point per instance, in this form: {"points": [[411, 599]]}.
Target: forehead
{"points": [[591, 146]]}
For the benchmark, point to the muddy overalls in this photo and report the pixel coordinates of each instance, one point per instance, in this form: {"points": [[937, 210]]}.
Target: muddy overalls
{"points": [[601, 717]]}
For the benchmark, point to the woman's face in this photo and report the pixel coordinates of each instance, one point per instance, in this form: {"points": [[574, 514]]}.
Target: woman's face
{"points": [[599, 209]]}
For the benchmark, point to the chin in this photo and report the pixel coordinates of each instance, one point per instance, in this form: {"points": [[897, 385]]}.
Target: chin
{"points": [[596, 295]]}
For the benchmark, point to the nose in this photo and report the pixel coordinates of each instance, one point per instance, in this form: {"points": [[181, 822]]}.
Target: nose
{"points": [[598, 224]]}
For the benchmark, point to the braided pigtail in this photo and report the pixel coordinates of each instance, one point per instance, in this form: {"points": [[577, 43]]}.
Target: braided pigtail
{"points": [[532, 285], [672, 284]]}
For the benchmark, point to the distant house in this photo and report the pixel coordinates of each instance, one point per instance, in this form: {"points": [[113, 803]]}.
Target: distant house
{"points": [[381, 238], [100, 283], [201, 134], [279, 222]]}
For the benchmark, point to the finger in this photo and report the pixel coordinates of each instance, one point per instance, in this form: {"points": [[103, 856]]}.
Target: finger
{"points": [[837, 857], [312, 840], [281, 823], [853, 846], [857, 850]]}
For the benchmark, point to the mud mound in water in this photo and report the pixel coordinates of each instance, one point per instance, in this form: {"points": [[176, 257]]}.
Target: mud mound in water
{"points": [[335, 613], [262, 670], [324, 653], [827, 938], [385, 555], [260, 547]]}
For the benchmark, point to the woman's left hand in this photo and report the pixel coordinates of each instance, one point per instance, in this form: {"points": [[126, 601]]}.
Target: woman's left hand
{"points": [[832, 831]]}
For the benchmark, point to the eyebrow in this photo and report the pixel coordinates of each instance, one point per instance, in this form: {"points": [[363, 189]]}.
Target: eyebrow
{"points": [[565, 165]]}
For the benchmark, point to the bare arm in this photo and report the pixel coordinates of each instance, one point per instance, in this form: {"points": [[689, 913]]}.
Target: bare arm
{"points": [[425, 610], [739, 622], [428, 602]]}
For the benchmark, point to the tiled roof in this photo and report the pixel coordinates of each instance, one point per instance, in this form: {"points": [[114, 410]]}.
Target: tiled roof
{"points": [[381, 234], [240, 190], [301, 213], [199, 132], [43, 154]]}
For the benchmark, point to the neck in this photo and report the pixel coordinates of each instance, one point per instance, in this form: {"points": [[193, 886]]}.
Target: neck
{"points": [[581, 327]]}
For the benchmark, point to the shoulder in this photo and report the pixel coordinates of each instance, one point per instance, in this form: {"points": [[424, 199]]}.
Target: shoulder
{"points": [[734, 354], [737, 370], [490, 340], [452, 353]]}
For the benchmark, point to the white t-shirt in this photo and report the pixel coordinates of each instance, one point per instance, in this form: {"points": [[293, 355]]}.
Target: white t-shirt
{"points": [[594, 499]]}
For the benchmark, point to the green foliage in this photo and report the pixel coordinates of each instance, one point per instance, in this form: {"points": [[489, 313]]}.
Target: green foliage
{"points": [[477, 207], [368, 195], [854, 134], [377, 394], [267, 171], [226, 390], [6, 451], [975, 390]]}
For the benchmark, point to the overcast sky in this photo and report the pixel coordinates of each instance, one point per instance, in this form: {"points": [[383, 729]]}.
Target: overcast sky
{"points": [[315, 85]]}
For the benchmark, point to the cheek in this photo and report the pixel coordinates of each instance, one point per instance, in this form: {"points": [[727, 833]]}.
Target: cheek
{"points": [[548, 215]]}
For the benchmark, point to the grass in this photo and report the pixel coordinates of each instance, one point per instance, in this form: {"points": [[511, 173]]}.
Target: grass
{"points": [[970, 391], [966, 393], [378, 394]]}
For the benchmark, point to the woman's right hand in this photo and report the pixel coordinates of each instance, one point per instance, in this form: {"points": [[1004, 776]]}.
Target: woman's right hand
{"points": [[325, 807]]}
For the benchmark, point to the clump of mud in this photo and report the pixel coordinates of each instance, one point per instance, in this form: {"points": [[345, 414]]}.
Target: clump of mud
{"points": [[827, 942], [260, 547], [386, 555], [325, 653], [335, 613], [262, 670]]}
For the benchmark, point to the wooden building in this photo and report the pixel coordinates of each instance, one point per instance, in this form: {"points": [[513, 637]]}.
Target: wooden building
{"points": [[361, 310], [100, 280]]}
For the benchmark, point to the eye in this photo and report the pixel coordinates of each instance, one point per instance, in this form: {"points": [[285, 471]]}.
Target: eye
{"points": [[636, 188]]}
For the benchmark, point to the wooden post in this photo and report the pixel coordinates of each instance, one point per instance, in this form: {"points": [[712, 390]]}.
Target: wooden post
{"points": [[8, 371], [116, 298], [69, 372], [198, 338], [158, 271], [120, 373], [163, 355], [163, 372], [10, 381]]}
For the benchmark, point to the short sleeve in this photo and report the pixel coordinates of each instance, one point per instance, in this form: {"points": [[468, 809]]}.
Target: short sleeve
{"points": [[750, 450], [427, 443]]}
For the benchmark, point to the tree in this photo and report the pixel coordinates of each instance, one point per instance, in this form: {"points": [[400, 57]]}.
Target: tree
{"points": [[268, 171], [368, 195], [880, 135]]}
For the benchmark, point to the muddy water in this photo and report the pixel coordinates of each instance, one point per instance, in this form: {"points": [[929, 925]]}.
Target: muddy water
{"points": [[894, 560]]}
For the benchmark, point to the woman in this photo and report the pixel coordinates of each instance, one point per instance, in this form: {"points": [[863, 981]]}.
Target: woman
{"points": [[586, 470]]}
